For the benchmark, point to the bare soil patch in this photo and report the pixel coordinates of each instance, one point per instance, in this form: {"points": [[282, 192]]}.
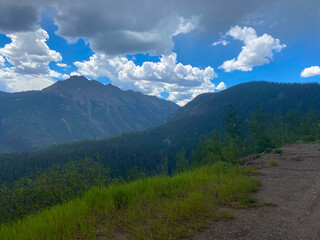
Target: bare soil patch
{"points": [[293, 186]]}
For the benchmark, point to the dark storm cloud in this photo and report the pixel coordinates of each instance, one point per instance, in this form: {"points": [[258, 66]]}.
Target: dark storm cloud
{"points": [[116, 27], [127, 26], [120, 26], [17, 17]]}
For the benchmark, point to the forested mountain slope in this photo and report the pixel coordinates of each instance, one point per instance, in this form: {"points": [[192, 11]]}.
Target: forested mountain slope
{"points": [[150, 148], [207, 111]]}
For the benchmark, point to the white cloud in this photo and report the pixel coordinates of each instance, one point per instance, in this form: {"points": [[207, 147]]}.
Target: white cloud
{"points": [[222, 42], [221, 86], [2, 61], [62, 65], [187, 25], [29, 57], [182, 82], [105, 23], [255, 52], [14, 82], [75, 74], [141, 26], [311, 71], [29, 53]]}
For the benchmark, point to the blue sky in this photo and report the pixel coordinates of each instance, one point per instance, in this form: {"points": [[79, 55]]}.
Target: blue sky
{"points": [[167, 52]]}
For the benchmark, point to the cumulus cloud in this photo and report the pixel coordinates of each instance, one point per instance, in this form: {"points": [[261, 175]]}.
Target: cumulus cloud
{"points": [[121, 27], [140, 26], [187, 25], [29, 57], [221, 86], [75, 74], [29, 53], [126, 27], [182, 82], [115, 28], [14, 82], [310, 72], [256, 51]]}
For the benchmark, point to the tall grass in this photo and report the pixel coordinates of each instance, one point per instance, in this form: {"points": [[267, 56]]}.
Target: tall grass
{"points": [[153, 208]]}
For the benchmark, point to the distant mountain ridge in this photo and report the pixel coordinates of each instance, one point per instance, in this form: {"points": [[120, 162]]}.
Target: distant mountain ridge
{"points": [[207, 111], [196, 120], [75, 109]]}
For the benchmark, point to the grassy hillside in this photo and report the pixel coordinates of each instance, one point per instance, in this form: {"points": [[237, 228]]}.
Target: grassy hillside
{"points": [[153, 208]]}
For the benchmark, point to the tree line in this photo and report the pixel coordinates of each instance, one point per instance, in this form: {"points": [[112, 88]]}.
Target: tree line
{"points": [[62, 182]]}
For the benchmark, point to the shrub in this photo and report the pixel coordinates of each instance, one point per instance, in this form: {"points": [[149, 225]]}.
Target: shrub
{"points": [[273, 163], [268, 149], [278, 151]]}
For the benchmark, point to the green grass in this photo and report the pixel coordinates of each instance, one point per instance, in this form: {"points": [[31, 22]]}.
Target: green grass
{"points": [[273, 163], [152, 208]]}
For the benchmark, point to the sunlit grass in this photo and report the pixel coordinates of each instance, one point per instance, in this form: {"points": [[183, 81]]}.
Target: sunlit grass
{"points": [[273, 162], [153, 208]]}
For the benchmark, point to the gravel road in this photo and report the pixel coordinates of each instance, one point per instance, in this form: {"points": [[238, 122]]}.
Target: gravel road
{"points": [[294, 186]]}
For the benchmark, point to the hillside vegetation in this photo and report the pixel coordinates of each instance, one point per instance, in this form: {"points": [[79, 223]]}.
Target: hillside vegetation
{"points": [[153, 208], [279, 111], [55, 193], [62, 183]]}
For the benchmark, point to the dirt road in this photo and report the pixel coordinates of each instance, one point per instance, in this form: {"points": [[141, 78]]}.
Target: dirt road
{"points": [[294, 186]]}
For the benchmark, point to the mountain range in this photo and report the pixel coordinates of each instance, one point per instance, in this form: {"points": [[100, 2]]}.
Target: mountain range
{"points": [[74, 109], [196, 120]]}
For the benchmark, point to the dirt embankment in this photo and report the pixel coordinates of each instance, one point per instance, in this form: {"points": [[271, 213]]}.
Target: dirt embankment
{"points": [[294, 186]]}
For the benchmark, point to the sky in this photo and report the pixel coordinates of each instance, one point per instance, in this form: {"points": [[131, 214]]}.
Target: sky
{"points": [[173, 49]]}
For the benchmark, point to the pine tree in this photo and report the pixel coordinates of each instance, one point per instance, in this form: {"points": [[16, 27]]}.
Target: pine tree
{"points": [[182, 163], [233, 135], [258, 140], [233, 124]]}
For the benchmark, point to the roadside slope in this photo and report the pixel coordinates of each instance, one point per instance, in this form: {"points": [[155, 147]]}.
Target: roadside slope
{"points": [[152, 208], [294, 186]]}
